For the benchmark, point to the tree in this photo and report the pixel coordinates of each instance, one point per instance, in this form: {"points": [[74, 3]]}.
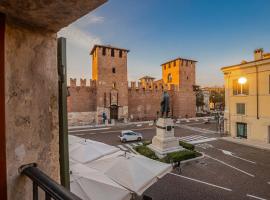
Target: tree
{"points": [[199, 98]]}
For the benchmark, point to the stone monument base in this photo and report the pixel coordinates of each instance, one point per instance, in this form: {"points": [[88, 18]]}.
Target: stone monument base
{"points": [[165, 142]]}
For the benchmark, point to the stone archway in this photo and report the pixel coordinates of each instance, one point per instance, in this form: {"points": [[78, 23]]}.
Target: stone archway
{"points": [[114, 104]]}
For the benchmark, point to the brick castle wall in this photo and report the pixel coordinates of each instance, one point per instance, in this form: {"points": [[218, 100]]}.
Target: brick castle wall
{"points": [[82, 98]]}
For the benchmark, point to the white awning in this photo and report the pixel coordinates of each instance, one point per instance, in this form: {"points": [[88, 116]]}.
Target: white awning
{"points": [[90, 184], [133, 172]]}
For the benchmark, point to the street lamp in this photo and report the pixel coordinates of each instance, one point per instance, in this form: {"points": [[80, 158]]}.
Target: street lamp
{"points": [[242, 81]]}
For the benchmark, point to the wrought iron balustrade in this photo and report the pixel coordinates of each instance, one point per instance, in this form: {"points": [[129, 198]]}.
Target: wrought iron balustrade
{"points": [[50, 187]]}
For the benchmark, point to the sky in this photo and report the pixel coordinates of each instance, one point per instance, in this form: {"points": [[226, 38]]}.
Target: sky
{"points": [[216, 33]]}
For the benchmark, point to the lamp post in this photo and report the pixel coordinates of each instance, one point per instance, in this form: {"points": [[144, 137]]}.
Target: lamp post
{"points": [[242, 81]]}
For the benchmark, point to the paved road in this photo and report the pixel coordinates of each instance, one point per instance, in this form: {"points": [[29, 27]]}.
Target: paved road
{"points": [[228, 171]]}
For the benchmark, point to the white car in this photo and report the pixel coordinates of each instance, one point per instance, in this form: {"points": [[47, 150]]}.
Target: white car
{"points": [[128, 135]]}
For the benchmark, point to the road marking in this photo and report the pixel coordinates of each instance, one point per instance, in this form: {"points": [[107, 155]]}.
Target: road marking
{"points": [[196, 180], [138, 125], [195, 138], [255, 197], [140, 143], [134, 144], [231, 154], [86, 130], [190, 137], [230, 166], [122, 147], [203, 141]]}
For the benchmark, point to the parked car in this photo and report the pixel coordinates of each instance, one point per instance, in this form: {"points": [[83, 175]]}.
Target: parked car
{"points": [[128, 135]]}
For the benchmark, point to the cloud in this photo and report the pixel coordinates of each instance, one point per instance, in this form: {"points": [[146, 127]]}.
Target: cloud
{"points": [[79, 37]]}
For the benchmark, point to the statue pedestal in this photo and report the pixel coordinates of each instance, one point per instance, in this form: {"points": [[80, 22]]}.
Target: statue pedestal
{"points": [[164, 142]]}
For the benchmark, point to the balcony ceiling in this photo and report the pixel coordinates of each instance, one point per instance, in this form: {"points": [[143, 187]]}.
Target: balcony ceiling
{"points": [[51, 15]]}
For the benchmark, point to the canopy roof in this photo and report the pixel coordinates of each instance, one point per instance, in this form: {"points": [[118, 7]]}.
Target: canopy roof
{"points": [[83, 151], [89, 184], [133, 172], [49, 15]]}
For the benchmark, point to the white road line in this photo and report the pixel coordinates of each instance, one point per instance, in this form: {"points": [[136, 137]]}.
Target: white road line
{"points": [[189, 137], [122, 147], [86, 130], [231, 154], [196, 138], [255, 197], [203, 140], [230, 166], [210, 184], [140, 143], [139, 125]]}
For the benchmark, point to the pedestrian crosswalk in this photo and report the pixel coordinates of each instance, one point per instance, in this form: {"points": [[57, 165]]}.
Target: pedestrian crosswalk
{"points": [[129, 146], [196, 139]]}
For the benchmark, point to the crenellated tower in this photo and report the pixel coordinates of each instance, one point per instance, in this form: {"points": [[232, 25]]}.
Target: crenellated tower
{"points": [[109, 70]]}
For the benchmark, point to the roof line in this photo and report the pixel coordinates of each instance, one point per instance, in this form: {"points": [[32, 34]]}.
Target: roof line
{"points": [[106, 46], [178, 58], [243, 64]]}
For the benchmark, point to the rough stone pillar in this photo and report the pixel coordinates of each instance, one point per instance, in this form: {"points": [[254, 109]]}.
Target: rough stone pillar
{"points": [[31, 101]]}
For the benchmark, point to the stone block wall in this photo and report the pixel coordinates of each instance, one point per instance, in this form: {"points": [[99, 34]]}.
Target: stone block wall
{"points": [[81, 118]]}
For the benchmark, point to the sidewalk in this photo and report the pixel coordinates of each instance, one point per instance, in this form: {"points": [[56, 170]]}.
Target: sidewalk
{"points": [[109, 125], [255, 144]]}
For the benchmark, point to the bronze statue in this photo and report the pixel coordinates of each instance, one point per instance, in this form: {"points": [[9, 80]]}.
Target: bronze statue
{"points": [[165, 105]]}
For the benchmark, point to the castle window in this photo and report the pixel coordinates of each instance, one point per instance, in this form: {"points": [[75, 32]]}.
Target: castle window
{"points": [[174, 63], [113, 70], [120, 53], [114, 85], [169, 78], [103, 51], [187, 77], [164, 67], [112, 52]]}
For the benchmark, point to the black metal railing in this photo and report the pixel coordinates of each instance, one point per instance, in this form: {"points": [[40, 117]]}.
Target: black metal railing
{"points": [[40, 180]]}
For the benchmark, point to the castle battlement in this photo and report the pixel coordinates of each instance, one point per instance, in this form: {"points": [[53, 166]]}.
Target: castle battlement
{"points": [[151, 86], [83, 83]]}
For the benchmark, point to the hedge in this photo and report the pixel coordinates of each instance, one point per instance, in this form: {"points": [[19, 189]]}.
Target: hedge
{"points": [[171, 157], [145, 151], [187, 145], [181, 155]]}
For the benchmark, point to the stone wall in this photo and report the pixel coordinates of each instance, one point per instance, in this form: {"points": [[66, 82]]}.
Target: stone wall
{"points": [[82, 98], [31, 99], [81, 118]]}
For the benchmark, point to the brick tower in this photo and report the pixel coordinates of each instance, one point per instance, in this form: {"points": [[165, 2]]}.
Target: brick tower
{"points": [[180, 72], [109, 69]]}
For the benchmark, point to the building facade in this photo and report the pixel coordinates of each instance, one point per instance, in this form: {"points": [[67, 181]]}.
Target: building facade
{"points": [[247, 97], [109, 92]]}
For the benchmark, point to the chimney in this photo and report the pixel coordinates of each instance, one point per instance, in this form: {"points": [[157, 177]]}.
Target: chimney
{"points": [[258, 54]]}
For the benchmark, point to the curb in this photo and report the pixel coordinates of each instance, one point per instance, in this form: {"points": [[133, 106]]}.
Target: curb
{"points": [[247, 144], [192, 160]]}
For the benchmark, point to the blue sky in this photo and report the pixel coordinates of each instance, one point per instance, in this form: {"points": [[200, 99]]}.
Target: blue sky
{"points": [[216, 33]]}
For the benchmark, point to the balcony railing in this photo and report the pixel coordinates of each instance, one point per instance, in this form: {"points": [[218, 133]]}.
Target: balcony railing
{"points": [[51, 188]]}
